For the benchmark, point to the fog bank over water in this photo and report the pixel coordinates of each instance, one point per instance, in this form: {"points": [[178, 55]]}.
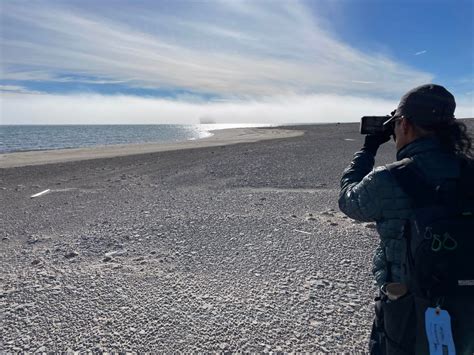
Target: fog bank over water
{"points": [[95, 109]]}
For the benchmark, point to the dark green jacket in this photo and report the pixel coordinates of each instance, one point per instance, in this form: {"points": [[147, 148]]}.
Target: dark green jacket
{"points": [[373, 195]]}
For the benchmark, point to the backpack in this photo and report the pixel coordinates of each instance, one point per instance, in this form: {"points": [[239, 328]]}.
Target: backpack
{"points": [[439, 260]]}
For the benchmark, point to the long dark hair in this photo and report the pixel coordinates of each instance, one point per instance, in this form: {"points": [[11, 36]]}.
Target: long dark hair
{"points": [[454, 137]]}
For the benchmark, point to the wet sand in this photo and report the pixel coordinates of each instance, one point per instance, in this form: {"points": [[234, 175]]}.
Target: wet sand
{"points": [[219, 138]]}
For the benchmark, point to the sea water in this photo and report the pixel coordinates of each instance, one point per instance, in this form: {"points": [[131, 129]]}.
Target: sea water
{"points": [[26, 138]]}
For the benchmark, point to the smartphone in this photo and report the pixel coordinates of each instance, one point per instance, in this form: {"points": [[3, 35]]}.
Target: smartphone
{"points": [[374, 124]]}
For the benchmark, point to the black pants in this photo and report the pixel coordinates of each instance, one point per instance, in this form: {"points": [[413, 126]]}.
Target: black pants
{"points": [[399, 326], [394, 327]]}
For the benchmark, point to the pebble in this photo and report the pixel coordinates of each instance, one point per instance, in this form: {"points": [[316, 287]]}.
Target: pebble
{"points": [[71, 254], [319, 283], [115, 253], [327, 213]]}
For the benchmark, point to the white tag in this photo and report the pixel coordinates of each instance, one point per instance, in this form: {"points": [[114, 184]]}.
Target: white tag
{"points": [[438, 332]]}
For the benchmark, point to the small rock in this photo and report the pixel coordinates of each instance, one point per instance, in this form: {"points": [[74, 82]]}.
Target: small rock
{"points": [[71, 254], [319, 283], [20, 307], [35, 262], [32, 239], [116, 253], [107, 259], [327, 213]]}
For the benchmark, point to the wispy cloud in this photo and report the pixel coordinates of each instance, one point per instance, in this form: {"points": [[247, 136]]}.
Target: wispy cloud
{"points": [[363, 82], [228, 48], [421, 52], [16, 89]]}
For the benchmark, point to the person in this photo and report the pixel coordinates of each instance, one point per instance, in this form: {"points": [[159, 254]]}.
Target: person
{"points": [[425, 131]]}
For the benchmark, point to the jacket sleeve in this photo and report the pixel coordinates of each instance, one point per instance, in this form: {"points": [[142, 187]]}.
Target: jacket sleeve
{"points": [[379, 265], [358, 197]]}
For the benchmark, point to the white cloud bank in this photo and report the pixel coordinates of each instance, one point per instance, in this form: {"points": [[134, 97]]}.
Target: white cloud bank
{"points": [[98, 109]]}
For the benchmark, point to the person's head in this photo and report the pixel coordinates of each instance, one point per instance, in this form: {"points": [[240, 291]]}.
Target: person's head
{"points": [[428, 110]]}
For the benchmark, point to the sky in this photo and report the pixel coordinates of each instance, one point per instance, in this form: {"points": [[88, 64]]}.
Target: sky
{"points": [[229, 61]]}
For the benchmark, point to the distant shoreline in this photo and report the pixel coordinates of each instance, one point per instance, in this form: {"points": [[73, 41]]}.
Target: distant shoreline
{"points": [[218, 138], [28, 138]]}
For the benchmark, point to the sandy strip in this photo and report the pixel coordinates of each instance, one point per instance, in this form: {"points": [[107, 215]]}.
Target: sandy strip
{"points": [[220, 137]]}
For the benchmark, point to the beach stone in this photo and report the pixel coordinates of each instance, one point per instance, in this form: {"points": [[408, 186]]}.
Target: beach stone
{"points": [[115, 253], [41, 349], [327, 213], [319, 283], [32, 239], [71, 254]]}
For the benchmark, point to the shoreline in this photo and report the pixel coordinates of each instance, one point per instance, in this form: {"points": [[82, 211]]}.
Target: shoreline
{"points": [[219, 138]]}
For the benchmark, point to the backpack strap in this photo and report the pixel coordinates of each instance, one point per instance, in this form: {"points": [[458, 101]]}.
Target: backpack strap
{"points": [[413, 183], [467, 177]]}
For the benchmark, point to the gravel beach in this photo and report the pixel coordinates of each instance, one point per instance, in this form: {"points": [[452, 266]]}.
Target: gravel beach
{"points": [[219, 248]]}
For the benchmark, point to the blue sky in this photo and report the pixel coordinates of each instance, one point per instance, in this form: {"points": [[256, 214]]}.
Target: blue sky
{"points": [[285, 61]]}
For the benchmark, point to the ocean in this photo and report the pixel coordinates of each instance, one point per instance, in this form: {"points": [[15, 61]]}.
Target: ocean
{"points": [[21, 138]]}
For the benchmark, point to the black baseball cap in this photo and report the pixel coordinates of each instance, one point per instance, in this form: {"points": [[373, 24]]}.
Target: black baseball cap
{"points": [[426, 105]]}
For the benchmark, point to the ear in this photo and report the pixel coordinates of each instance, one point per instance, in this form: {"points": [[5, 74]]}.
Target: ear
{"points": [[406, 126]]}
